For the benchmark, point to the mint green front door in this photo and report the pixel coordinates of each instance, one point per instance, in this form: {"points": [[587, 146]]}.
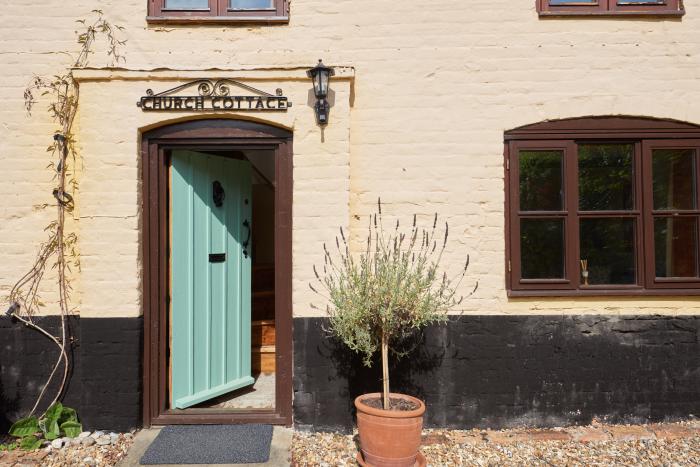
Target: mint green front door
{"points": [[210, 215]]}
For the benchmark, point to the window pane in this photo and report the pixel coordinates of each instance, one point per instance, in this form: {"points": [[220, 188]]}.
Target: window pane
{"points": [[187, 4], [250, 4], [573, 2], [541, 180], [676, 246], [542, 248], [608, 246], [605, 177], [673, 172]]}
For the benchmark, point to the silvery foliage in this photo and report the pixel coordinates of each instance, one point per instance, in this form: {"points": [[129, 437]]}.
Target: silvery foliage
{"points": [[393, 288]]}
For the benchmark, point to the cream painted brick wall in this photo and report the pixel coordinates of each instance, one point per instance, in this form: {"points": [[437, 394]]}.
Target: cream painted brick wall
{"points": [[109, 283], [436, 84]]}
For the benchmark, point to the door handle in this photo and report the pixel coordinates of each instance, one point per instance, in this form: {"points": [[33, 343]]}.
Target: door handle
{"points": [[246, 224]]}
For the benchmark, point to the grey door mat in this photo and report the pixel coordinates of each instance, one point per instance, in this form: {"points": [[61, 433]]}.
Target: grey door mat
{"points": [[210, 444]]}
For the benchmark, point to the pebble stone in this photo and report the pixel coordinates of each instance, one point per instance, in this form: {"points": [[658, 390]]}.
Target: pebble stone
{"points": [[85, 450], [57, 443], [104, 440], [89, 441]]}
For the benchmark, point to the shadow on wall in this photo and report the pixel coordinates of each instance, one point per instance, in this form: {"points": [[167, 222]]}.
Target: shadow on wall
{"points": [[335, 376], [501, 371], [105, 381], [405, 373], [7, 406], [26, 360]]}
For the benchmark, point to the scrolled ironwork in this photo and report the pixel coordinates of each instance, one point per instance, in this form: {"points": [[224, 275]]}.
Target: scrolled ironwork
{"points": [[218, 94], [205, 88], [221, 88]]}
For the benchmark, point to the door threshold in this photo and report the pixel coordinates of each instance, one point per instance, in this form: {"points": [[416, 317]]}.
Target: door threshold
{"points": [[218, 411], [219, 419]]}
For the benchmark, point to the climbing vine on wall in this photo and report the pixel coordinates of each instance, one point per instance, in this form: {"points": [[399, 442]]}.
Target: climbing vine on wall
{"points": [[59, 251]]}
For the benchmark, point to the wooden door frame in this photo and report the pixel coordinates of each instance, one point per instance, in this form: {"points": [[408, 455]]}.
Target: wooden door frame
{"points": [[212, 134]]}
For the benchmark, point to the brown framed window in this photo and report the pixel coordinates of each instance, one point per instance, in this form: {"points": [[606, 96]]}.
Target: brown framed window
{"points": [[603, 210], [248, 11], [609, 7]]}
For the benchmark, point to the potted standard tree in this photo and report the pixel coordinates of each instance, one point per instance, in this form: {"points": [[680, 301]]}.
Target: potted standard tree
{"points": [[375, 300]]}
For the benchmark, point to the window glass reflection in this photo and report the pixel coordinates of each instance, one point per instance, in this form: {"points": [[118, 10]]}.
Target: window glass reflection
{"points": [[541, 187], [608, 248], [187, 4], [606, 177], [542, 248], [674, 178], [250, 4], [676, 246]]}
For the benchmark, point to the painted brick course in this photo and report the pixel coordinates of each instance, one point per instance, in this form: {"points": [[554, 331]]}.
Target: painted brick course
{"points": [[105, 379], [511, 371]]}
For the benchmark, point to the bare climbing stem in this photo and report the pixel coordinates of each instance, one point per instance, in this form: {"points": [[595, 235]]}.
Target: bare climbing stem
{"points": [[59, 251]]}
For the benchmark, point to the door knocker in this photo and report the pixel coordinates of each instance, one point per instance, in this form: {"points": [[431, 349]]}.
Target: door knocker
{"points": [[219, 194], [246, 224]]}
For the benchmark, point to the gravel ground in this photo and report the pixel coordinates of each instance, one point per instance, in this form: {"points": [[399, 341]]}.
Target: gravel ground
{"points": [[600, 445], [672, 445], [74, 454]]}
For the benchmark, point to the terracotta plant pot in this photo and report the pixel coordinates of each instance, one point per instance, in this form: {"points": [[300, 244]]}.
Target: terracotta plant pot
{"points": [[389, 438]]}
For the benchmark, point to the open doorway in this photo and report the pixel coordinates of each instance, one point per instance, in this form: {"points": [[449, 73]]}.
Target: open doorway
{"points": [[233, 364]]}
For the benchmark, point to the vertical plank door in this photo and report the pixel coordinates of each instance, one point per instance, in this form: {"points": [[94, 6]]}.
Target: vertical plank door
{"points": [[210, 276]]}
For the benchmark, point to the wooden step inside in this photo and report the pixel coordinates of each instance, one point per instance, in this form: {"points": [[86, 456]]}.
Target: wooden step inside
{"points": [[263, 346]]}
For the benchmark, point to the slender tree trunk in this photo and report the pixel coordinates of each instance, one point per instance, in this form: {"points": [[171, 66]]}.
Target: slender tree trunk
{"points": [[385, 371]]}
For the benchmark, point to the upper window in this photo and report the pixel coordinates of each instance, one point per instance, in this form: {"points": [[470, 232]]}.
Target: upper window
{"points": [[218, 10], [609, 7], [603, 206]]}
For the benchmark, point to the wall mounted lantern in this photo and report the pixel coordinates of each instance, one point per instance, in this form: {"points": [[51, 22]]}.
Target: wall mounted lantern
{"points": [[321, 75]]}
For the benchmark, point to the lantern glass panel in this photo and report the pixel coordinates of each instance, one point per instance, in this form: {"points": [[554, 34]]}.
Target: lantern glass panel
{"points": [[315, 78], [323, 79]]}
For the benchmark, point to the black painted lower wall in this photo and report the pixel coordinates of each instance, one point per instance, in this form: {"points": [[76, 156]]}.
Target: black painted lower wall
{"points": [[476, 371], [105, 381], [504, 371]]}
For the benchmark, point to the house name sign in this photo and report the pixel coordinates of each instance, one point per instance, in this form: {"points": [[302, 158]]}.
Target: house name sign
{"points": [[214, 95]]}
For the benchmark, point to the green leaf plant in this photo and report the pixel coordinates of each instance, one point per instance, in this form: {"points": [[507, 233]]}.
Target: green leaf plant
{"points": [[30, 443], [8, 447], [377, 298], [59, 252], [56, 422]]}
